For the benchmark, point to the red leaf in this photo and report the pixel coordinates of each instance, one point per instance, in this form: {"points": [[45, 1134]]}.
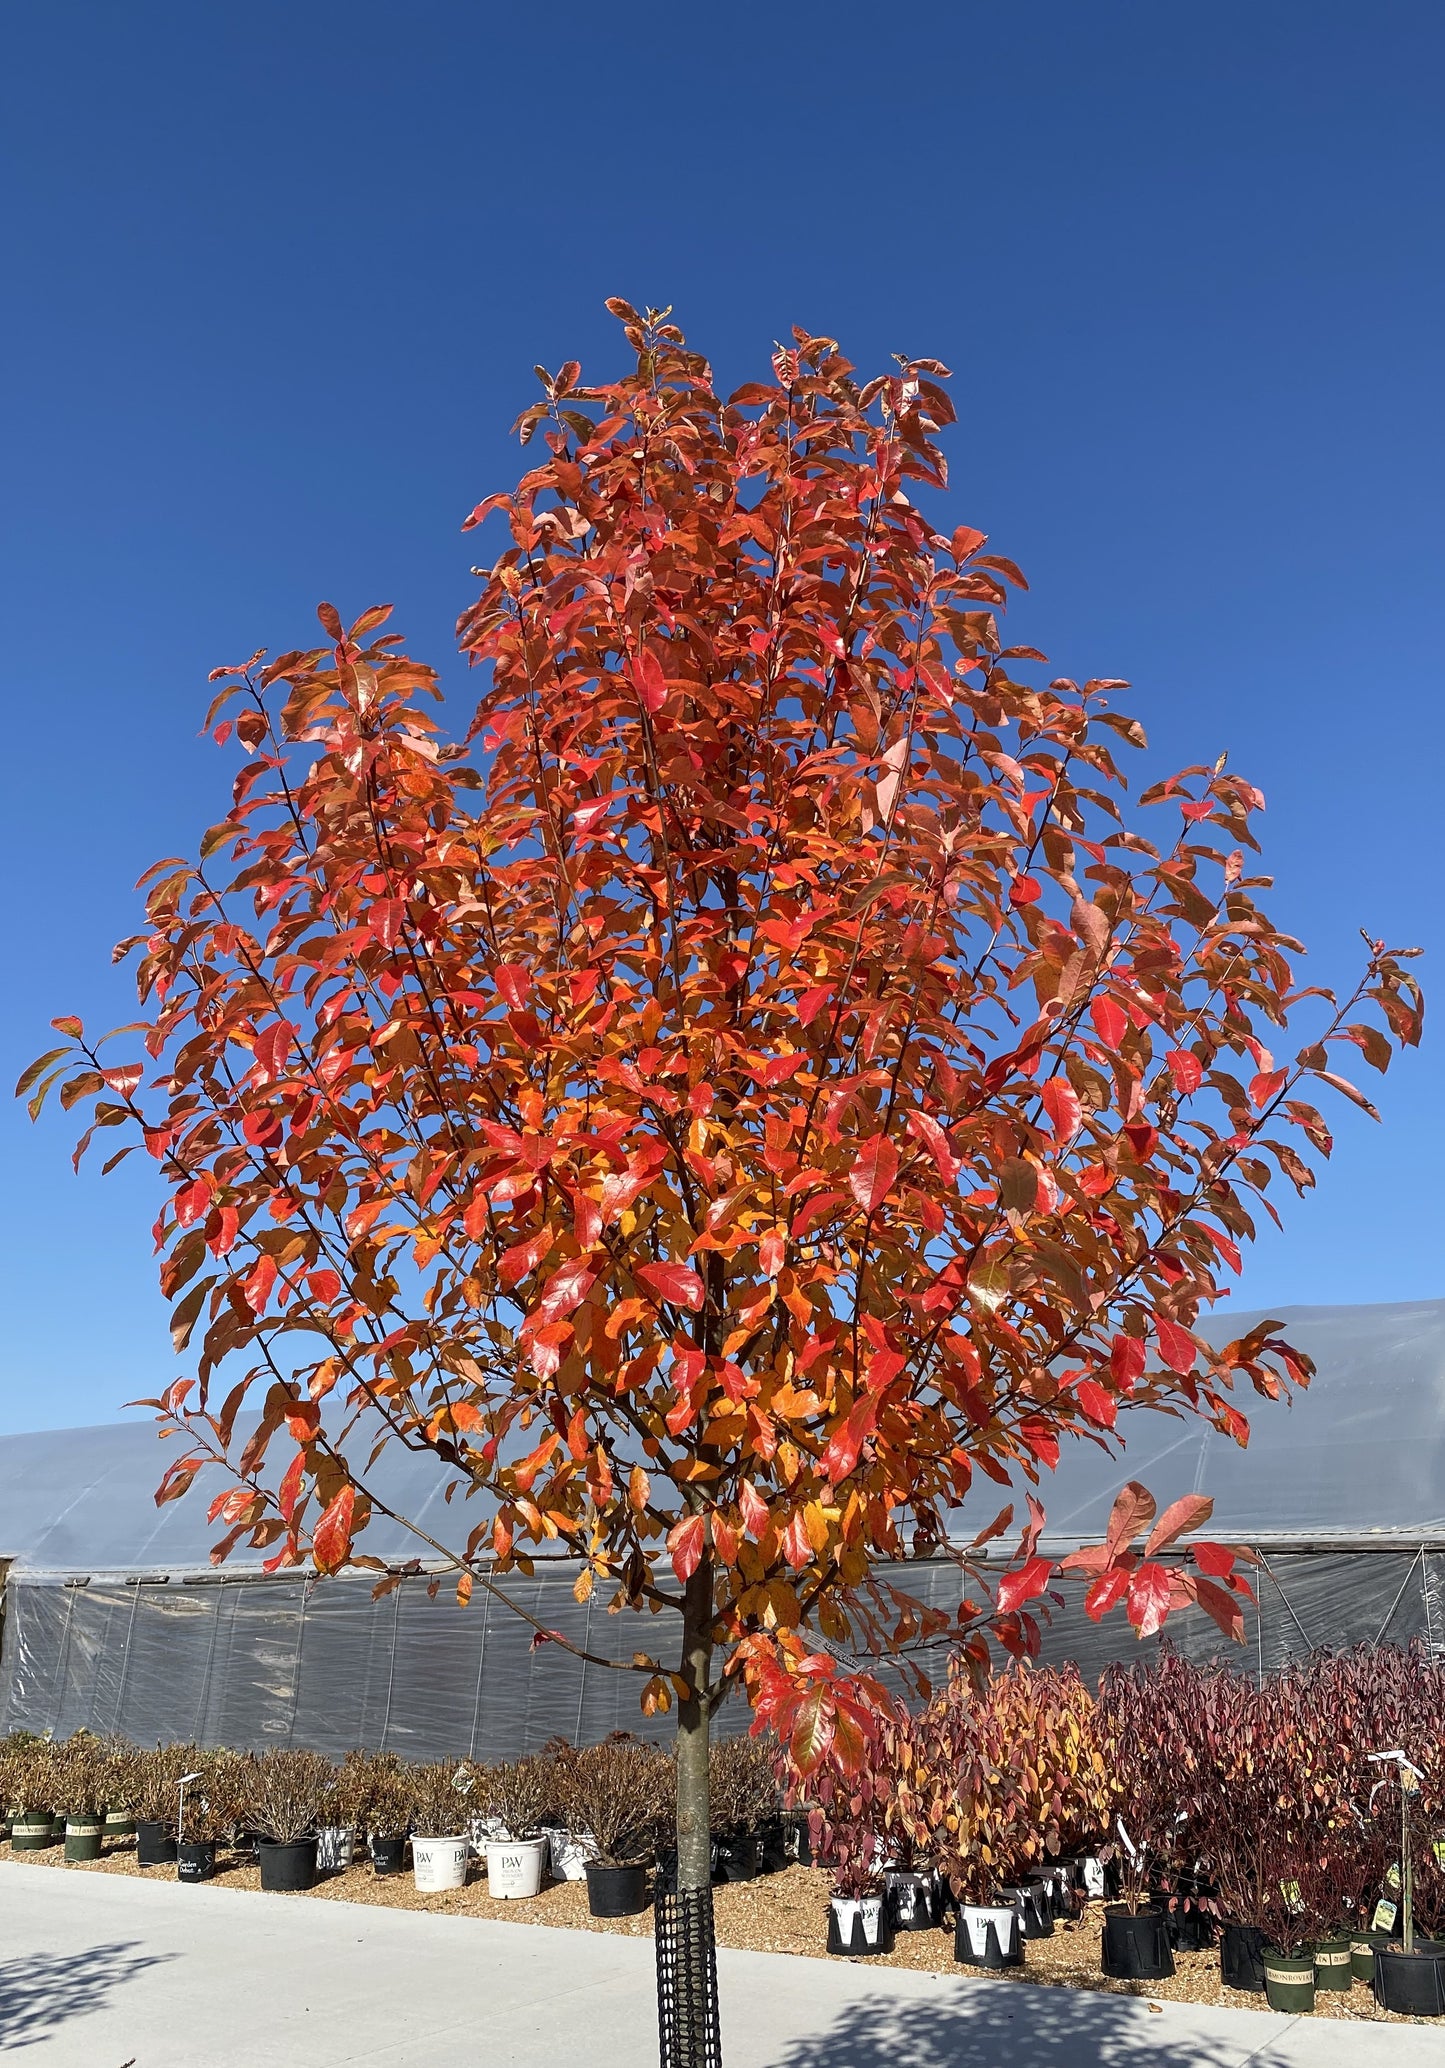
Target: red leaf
{"points": [[812, 1733], [925, 1129], [1099, 1406], [289, 1491], [1061, 1102], [811, 1003], [1222, 1606], [1186, 1070], [754, 1509], [1191, 1511], [1215, 1559], [193, 1202], [1111, 1022], [256, 1285], [649, 681], [847, 1441], [331, 1539], [1264, 1087], [1024, 890], [685, 1546], [514, 982], [675, 1282], [1132, 1511], [1126, 1360], [1148, 1604], [1105, 1592], [522, 1257], [1176, 1346], [797, 1548], [1014, 1589], [874, 1169]]}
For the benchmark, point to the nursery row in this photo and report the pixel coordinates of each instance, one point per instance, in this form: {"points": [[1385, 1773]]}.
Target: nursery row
{"points": [[1298, 1818], [606, 1811]]}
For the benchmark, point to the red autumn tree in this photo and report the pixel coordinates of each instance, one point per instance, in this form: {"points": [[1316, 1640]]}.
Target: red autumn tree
{"points": [[755, 1085]]}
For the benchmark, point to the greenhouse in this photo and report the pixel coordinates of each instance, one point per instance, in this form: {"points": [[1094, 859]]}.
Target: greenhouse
{"points": [[116, 1621]]}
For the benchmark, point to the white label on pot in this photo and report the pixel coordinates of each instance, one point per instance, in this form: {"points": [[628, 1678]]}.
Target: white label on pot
{"points": [[871, 1911], [845, 1909], [1094, 1877], [977, 1917], [439, 1863], [1384, 1917]]}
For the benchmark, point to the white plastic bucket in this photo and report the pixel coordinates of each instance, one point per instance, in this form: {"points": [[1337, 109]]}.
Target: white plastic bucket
{"points": [[335, 1847], [439, 1863], [571, 1850], [977, 1917], [514, 1867]]}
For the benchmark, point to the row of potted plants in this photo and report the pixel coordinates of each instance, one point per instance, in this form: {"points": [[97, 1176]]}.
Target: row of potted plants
{"points": [[1263, 1815], [603, 1812]]}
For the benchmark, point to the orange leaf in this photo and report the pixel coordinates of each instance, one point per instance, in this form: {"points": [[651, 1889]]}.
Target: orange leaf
{"points": [[331, 1538]]}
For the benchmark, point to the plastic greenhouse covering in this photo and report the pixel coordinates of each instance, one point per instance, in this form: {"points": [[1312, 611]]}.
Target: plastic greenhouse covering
{"points": [[114, 1618]]}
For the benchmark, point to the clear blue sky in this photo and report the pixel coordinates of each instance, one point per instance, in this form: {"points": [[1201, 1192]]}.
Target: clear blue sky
{"points": [[276, 277]]}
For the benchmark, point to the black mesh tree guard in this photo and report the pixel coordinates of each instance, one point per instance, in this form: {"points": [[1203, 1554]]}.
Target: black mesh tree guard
{"points": [[688, 2034]]}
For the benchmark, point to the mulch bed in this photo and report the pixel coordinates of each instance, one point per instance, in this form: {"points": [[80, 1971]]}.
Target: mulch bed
{"points": [[780, 1913]]}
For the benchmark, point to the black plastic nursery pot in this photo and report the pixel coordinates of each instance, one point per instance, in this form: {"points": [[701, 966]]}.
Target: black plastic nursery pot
{"points": [[1332, 1964], [987, 1935], [858, 1931], [1031, 1900], [1289, 1980], [195, 1859], [615, 1891], [289, 1868], [155, 1844], [1241, 1958], [82, 1837], [736, 1858], [1413, 1983], [1135, 1945], [773, 1854], [388, 1852], [32, 1831], [1362, 1953], [912, 1899]]}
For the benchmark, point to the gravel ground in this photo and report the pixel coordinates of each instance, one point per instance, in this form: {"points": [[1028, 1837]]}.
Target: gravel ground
{"points": [[781, 1913]]}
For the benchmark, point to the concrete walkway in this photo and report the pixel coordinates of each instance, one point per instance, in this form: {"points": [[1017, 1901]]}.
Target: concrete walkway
{"points": [[100, 1971]]}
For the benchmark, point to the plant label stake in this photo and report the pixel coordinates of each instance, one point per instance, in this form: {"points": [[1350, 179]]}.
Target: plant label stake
{"points": [[1410, 1779], [182, 1785]]}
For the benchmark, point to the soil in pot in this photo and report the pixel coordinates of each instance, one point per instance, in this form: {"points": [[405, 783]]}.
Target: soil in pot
{"points": [[1289, 1981], [388, 1852], [82, 1838], [155, 1844], [1136, 1945], [987, 1935], [858, 1926], [616, 1891], [287, 1869], [439, 1863], [1332, 1964], [1413, 1983], [1241, 1958], [514, 1867], [195, 1859]]}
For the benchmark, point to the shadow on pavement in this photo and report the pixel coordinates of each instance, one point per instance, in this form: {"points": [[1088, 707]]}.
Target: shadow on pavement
{"points": [[1052, 2028], [41, 1991]]}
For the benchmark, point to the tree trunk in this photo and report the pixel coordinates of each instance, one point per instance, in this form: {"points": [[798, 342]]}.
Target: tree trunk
{"points": [[686, 1959]]}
